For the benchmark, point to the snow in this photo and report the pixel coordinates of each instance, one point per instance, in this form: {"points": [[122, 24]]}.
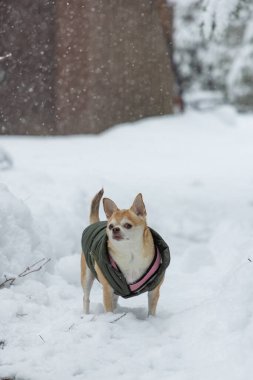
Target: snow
{"points": [[195, 173], [213, 49], [5, 160], [218, 12]]}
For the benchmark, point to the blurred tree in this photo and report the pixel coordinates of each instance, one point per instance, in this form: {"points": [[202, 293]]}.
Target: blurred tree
{"points": [[26, 70], [214, 48], [82, 66], [112, 64]]}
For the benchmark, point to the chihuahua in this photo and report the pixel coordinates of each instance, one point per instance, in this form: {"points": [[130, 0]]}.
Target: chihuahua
{"points": [[124, 254]]}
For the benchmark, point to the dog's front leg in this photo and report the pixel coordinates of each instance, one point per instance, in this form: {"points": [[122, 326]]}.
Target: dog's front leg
{"points": [[153, 297], [115, 298], [108, 298]]}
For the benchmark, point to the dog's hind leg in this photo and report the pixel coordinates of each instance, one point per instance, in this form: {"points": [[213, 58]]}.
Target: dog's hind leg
{"points": [[87, 279], [86, 296]]}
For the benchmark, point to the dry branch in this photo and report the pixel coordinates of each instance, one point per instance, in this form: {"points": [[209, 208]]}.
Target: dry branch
{"points": [[117, 319], [42, 339], [30, 269]]}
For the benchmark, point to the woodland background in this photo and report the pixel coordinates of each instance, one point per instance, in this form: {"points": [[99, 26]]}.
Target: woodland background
{"points": [[83, 66]]}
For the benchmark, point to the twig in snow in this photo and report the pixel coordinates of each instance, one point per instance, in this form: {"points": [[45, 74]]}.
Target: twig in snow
{"points": [[250, 260], [21, 315], [8, 281], [28, 270], [117, 319], [42, 338]]}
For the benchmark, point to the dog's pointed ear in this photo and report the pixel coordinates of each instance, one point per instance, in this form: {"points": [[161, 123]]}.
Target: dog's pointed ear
{"points": [[109, 207], [138, 206]]}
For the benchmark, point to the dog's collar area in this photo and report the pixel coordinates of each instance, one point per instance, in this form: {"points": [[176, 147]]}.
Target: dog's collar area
{"points": [[154, 266]]}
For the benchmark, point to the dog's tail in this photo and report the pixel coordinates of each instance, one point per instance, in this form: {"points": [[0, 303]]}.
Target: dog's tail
{"points": [[94, 210]]}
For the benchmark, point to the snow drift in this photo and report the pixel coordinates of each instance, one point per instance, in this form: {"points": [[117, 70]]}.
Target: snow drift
{"points": [[195, 173]]}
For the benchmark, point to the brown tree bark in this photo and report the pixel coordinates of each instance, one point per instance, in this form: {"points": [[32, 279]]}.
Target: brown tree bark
{"points": [[26, 75], [106, 62], [122, 53]]}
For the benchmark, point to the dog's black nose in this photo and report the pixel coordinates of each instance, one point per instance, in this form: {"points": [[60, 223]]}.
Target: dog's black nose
{"points": [[116, 230]]}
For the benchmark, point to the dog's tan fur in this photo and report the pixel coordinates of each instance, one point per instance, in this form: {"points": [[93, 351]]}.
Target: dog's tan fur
{"points": [[133, 251]]}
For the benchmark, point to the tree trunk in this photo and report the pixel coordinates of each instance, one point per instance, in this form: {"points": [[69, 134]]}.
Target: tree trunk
{"points": [[26, 74], [126, 69], [108, 63]]}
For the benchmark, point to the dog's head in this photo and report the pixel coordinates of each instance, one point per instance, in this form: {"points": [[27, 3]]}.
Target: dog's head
{"points": [[125, 225]]}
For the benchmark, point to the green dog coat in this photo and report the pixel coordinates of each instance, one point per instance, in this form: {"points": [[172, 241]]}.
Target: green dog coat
{"points": [[94, 245]]}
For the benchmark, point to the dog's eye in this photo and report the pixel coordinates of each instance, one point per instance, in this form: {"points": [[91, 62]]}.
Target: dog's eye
{"points": [[128, 226], [110, 226]]}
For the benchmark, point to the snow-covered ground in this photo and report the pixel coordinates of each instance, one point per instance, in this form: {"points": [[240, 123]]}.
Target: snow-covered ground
{"points": [[196, 175]]}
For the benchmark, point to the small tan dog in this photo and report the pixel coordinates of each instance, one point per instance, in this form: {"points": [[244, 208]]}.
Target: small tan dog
{"points": [[124, 254]]}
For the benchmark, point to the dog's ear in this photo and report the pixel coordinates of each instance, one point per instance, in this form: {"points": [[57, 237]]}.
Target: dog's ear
{"points": [[109, 207], [138, 206]]}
